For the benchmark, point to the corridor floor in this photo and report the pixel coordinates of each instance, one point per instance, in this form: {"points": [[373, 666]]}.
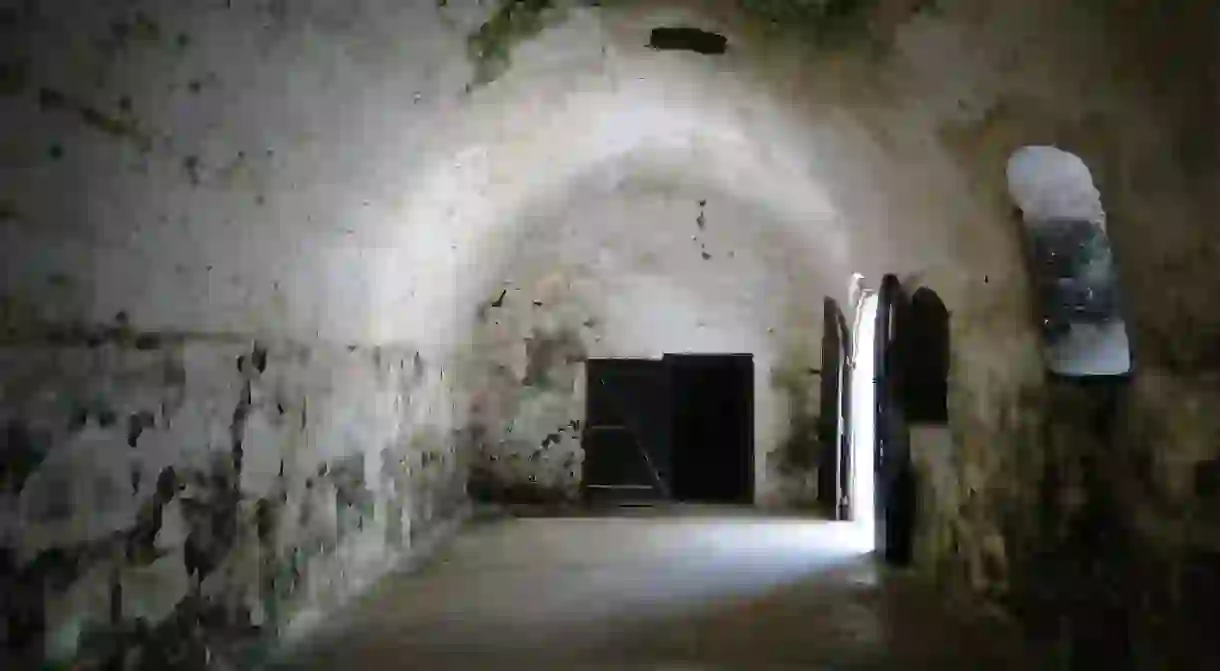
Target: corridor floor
{"points": [[674, 592]]}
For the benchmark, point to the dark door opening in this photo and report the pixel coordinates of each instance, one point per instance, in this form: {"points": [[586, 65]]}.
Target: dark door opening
{"points": [[923, 354], [680, 428], [712, 401], [627, 425]]}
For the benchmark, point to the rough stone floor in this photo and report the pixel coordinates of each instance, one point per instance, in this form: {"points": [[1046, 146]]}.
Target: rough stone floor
{"points": [[703, 591]]}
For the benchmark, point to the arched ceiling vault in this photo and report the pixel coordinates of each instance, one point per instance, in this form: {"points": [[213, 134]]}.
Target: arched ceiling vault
{"points": [[324, 174], [543, 137]]}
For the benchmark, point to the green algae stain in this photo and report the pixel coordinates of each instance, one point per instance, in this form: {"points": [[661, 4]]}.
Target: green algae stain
{"points": [[14, 77], [513, 22]]}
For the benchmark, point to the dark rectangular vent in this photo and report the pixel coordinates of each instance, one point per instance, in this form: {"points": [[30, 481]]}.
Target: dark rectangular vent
{"points": [[688, 39]]}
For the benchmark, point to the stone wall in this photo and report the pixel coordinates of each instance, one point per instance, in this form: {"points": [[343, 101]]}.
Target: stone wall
{"points": [[338, 171], [169, 499], [528, 408], [1088, 511], [639, 265]]}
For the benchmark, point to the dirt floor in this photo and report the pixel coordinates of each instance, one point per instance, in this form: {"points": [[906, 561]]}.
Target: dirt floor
{"points": [[688, 591]]}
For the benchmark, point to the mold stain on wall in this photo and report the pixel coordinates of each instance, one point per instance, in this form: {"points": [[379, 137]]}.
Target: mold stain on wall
{"points": [[490, 46], [167, 505], [230, 490], [526, 372]]}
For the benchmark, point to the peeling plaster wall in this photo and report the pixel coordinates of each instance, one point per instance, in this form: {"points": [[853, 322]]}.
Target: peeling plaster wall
{"points": [[326, 173], [194, 496], [339, 175], [1088, 510], [637, 264]]}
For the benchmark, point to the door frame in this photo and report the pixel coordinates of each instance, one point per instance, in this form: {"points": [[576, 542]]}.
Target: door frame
{"points": [[834, 417], [894, 493]]}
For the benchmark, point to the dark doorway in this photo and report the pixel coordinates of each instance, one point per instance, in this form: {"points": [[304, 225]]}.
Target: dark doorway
{"points": [[712, 402], [626, 438], [923, 353], [680, 428]]}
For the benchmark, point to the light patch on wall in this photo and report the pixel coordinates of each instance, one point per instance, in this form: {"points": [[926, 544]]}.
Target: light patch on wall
{"points": [[463, 212]]}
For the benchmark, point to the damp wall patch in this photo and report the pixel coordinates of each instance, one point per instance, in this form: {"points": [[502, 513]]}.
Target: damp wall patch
{"points": [[203, 495]]}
